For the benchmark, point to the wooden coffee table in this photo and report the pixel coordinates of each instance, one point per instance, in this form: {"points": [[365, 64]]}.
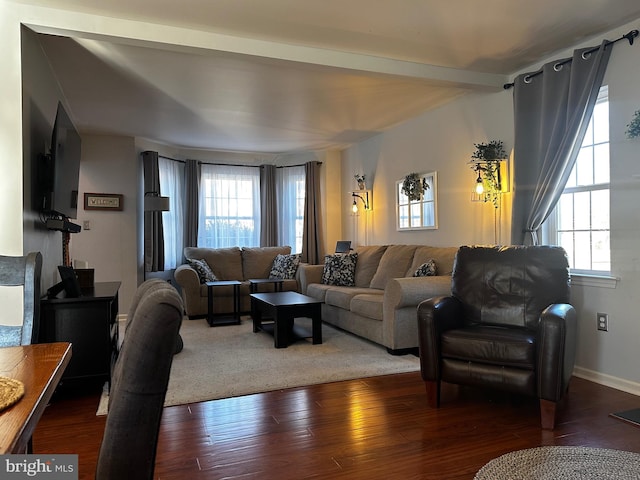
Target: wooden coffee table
{"points": [[282, 308]]}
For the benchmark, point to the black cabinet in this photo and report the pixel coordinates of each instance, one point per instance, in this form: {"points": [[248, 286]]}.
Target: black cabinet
{"points": [[90, 323]]}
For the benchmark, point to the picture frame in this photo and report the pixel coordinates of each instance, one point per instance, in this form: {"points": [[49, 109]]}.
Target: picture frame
{"points": [[103, 201]]}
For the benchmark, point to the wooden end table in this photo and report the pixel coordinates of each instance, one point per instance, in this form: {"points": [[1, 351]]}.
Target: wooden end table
{"points": [[254, 282], [283, 308], [217, 320]]}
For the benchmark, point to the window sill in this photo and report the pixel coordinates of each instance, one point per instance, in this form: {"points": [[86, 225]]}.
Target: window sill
{"points": [[600, 281]]}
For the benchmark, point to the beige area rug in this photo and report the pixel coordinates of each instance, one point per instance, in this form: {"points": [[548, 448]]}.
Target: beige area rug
{"points": [[566, 463], [229, 361]]}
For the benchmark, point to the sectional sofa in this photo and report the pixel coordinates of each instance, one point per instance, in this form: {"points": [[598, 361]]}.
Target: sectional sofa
{"points": [[381, 304]]}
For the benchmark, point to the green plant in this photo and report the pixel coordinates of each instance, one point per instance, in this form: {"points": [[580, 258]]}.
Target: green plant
{"points": [[633, 127], [494, 150], [413, 186]]}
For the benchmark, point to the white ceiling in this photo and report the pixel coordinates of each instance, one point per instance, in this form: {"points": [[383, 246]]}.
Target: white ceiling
{"points": [[292, 75]]}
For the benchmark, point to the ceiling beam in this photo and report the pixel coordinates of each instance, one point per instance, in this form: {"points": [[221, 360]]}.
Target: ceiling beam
{"points": [[117, 30]]}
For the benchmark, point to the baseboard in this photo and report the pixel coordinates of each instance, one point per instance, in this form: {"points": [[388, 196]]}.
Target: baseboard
{"points": [[608, 380]]}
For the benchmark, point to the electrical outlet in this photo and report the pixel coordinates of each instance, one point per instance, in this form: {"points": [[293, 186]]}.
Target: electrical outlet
{"points": [[86, 225], [603, 321]]}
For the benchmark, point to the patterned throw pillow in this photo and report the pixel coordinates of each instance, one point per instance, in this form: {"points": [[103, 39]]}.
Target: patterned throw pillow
{"points": [[427, 269], [284, 266], [203, 269], [340, 269]]}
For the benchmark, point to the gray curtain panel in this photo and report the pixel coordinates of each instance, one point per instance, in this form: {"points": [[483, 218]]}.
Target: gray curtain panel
{"points": [[192, 186], [552, 109], [312, 251], [268, 207], [153, 232]]}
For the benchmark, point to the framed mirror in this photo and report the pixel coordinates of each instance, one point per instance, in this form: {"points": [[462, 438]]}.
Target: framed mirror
{"points": [[418, 213]]}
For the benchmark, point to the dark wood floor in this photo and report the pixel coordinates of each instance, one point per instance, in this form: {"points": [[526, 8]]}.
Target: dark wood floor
{"points": [[374, 428]]}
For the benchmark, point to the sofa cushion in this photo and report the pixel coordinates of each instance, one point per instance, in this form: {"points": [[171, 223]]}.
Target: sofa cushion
{"points": [[515, 347], [393, 264], [368, 305], [284, 266], [205, 274], [340, 269], [341, 296], [427, 269], [443, 256], [368, 260], [226, 263], [318, 290], [257, 261]]}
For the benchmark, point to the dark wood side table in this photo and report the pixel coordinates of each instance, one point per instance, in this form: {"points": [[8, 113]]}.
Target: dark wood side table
{"points": [[284, 307], [90, 324], [216, 320], [255, 282]]}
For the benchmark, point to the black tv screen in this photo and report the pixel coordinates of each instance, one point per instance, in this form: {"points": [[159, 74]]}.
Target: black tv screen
{"points": [[60, 174]]}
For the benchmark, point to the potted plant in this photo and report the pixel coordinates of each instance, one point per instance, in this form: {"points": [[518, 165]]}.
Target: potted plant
{"points": [[360, 180], [633, 128], [413, 186], [487, 152]]}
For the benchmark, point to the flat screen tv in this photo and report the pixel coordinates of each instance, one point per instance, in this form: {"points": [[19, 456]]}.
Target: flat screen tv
{"points": [[59, 172]]}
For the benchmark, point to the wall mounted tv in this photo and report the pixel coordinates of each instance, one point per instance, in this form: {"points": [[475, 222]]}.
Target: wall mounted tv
{"points": [[59, 172]]}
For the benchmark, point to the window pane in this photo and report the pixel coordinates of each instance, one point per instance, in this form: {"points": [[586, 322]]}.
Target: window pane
{"points": [[582, 213], [565, 212], [428, 214], [601, 122], [601, 163], [582, 256], [601, 249], [584, 165], [415, 214], [403, 216], [600, 210]]}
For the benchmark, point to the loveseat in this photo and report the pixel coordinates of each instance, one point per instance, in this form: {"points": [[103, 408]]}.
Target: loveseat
{"points": [[380, 304], [232, 263]]}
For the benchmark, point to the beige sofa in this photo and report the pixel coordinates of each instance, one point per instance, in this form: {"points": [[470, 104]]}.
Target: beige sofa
{"points": [[233, 263], [382, 306]]}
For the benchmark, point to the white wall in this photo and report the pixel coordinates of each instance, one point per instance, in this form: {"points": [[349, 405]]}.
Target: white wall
{"points": [[110, 165], [443, 139]]}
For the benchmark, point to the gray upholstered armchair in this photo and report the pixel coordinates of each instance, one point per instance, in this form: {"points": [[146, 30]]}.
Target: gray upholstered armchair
{"points": [[25, 271], [507, 325], [140, 381]]}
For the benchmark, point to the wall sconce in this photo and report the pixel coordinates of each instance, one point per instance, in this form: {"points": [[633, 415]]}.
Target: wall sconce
{"points": [[489, 182], [153, 202], [362, 195]]}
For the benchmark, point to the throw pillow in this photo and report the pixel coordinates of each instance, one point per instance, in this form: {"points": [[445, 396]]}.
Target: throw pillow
{"points": [[340, 269], [203, 269], [284, 266], [427, 269]]}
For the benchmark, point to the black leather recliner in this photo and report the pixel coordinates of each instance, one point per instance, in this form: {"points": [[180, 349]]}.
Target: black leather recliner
{"points": [[507, 325]]}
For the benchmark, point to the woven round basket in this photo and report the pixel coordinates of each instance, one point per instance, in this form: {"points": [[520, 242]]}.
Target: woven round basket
{"points": [[11, 391], [566, 463]]}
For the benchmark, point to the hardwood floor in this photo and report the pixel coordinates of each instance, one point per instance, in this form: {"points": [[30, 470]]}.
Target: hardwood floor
{"points": [[373, 428]]}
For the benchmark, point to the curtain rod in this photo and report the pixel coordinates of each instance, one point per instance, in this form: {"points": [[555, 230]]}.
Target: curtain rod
{"points": [[629, 36], [172, 159], [254, 166]]}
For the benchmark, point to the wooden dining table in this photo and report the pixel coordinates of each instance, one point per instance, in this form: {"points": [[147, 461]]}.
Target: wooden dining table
{"points": [[39, 367]]}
